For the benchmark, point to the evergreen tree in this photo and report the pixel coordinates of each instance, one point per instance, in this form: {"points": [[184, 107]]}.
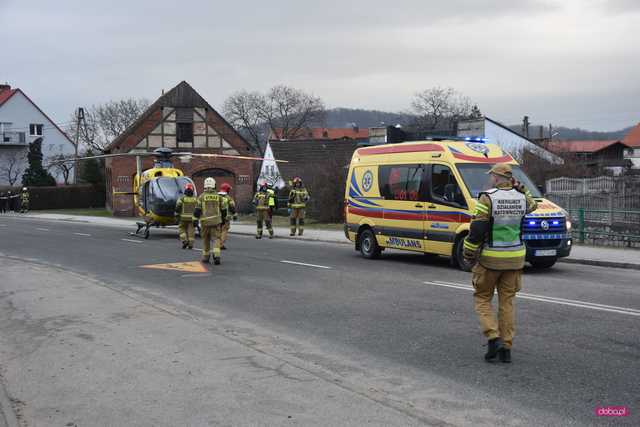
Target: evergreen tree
{"points": [[36, 175], [91, 170]]}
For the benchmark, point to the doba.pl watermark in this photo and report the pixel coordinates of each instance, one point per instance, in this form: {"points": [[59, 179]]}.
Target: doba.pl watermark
{"points": [[612, 411]]}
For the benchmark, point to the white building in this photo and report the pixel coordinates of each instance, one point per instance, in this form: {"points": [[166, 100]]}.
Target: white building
{"points": [[22, 122], [510, 141]]}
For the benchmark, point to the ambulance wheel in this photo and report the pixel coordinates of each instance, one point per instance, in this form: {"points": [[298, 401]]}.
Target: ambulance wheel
{"points": [[458, 256], [543, 262], [369, 245]]}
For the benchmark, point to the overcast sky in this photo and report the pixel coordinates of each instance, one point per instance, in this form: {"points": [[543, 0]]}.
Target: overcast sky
{"points": [[566, 62]]}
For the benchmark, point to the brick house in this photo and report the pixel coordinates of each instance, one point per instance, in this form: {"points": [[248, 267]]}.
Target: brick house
{"points": [[605, 154], [183, 121], [632, 139]]}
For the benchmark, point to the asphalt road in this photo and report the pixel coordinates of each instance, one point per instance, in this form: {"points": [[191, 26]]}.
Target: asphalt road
{"points": [[577, 344]]}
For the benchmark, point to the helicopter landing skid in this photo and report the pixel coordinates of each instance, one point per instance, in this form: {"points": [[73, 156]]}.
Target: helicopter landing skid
{"points": [[141, 226]]}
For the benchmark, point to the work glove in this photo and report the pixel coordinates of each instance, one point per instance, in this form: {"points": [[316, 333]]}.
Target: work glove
{"points": [[470, 256], [289, 211], [235, 217]]}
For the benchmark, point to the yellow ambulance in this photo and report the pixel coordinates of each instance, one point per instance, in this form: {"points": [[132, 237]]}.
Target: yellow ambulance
{"points": [[420, 196]]}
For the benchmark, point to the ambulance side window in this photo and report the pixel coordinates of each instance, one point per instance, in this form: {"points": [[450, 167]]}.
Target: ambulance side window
{"points": [[401, 182], [445, 188]]}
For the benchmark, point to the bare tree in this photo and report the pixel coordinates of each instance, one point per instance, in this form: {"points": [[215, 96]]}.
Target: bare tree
{"points": [[438, 107], [283, 109], [63, 164], [12, 167], [242, 109], [105, 122], [291, 110]]}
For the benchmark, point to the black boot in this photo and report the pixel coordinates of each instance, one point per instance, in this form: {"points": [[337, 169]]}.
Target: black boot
{"points": [[216, 260], [493, 346], [505, 355], [184, 245]]}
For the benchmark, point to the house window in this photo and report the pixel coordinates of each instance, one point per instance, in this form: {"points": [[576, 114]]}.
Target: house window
{"points": [[35, 129], [184, 132]]}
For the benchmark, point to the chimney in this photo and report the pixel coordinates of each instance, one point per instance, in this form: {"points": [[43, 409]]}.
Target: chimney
{"points": [[5, 86]]}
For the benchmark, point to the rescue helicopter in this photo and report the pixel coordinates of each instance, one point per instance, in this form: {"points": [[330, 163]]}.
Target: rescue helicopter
{"points": [[156, 190]]}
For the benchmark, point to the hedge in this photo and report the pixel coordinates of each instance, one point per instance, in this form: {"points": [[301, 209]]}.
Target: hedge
{"points": [[63, 197]]}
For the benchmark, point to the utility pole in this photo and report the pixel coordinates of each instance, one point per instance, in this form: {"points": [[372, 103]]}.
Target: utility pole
{"points": [[525, 126], [79, 118]]}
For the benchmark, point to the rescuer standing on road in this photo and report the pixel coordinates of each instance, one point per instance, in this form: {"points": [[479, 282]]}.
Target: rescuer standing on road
{"points": [[265, 202], [4, 202], [24, 200], [298, 198], [494, 244], [225, 192], [185, 207], [211, 209]]}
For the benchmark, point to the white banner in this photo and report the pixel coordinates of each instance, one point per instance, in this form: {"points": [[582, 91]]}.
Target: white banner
{"points": [[269, 171]]}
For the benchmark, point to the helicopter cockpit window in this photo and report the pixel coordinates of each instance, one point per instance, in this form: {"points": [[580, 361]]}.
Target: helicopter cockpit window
{"points": [[144, 195], [166, 189]]}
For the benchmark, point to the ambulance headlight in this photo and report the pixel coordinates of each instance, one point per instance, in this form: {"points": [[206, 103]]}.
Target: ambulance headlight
{"points": [[569, 225]]}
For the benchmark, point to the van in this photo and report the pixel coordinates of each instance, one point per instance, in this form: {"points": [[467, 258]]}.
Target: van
{"points": [[420, 196]]}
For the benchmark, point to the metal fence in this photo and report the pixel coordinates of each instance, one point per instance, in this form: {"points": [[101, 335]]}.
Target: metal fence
{"points": [[601, 184], [605, 210]]}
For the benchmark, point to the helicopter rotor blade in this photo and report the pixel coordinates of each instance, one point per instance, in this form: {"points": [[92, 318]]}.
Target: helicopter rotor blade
{"points": [[101, 156], [224, 156]]}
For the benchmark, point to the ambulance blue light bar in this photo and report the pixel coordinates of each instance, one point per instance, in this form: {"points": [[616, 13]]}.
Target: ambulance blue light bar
{"points": [[476, 139]]}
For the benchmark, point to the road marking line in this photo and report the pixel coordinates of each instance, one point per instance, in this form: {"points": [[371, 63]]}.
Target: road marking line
{"points": [[42, 229], [82, 234], [3, 225], [305, 264], [553, 300], [132, 241], [524, 294]]}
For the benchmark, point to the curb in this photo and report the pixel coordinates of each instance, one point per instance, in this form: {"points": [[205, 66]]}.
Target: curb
{"points": [[598, 263], [303, 238]]}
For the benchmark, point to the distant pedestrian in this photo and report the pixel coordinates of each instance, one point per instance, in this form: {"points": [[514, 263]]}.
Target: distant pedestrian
{"points": [[4, 203], [24, 200], [494, 242]]}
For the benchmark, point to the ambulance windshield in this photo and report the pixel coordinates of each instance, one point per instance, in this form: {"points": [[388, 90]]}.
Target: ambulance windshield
{"points": [[476, 178]]}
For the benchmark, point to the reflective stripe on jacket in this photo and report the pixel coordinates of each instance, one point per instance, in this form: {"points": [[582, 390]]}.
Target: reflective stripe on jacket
{"points": [[262, 200], [504, 249], [185, 207], [298, 198], [213, 208]]}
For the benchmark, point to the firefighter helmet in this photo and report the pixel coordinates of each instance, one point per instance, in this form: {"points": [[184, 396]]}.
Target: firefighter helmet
{"points": [[209, 183]]}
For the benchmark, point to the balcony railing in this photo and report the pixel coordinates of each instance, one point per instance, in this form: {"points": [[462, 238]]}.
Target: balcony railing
{"points": [[13, 138]]}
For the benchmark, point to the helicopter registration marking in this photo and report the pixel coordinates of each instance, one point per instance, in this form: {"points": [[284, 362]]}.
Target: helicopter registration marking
{"points": [[189, 267]]}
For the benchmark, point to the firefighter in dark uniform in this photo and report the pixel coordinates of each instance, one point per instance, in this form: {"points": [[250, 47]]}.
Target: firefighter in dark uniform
{"points": [[494, 244], [298, 198], [211, 210], [264, 201], [225, 192], [185, 207], [4, 203], [24, 200]]}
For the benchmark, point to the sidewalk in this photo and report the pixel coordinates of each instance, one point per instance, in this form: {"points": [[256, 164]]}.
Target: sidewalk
{"points": [[588, 255]]}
